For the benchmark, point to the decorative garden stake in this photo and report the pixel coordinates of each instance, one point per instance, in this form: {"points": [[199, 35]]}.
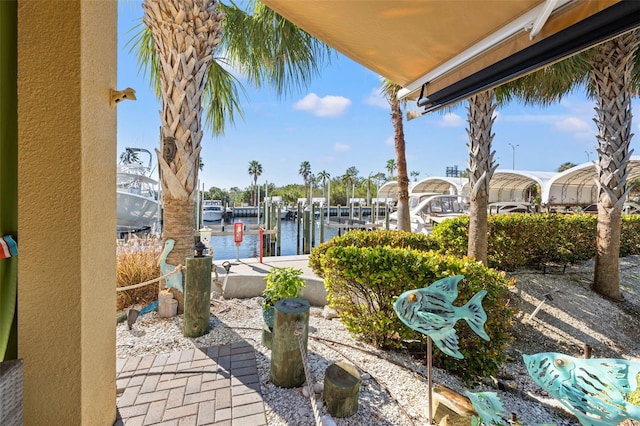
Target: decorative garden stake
{"points": [[488, 406], [175, 280], [592, 389], [430, 311]]}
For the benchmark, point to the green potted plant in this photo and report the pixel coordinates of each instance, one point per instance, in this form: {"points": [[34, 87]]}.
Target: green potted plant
{"points": [[282, 283]]}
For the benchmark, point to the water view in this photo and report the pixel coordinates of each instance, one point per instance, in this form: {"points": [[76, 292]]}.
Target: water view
{"points": [[225, 248]]}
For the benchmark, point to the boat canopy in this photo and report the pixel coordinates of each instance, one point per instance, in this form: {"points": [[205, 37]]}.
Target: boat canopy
{"points": [[440, 185], [388, 191], [578, 185], [515, 185]]}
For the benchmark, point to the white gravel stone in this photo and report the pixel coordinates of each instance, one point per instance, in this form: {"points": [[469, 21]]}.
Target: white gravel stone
{"points": [[396, 395]]}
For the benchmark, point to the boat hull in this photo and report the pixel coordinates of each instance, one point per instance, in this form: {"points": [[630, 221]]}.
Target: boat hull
{"points": [[212, 216], [135, 212]]}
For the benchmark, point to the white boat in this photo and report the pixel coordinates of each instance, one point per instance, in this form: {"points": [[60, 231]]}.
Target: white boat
{"points": [[137, 195], [212, 210], [427, 210]]}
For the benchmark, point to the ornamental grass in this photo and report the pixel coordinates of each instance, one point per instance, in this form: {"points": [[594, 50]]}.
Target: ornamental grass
{"points": [[137, 262]]}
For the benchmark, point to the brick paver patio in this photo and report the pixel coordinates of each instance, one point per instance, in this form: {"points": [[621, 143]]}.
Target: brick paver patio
{"points": [[218, 385]]}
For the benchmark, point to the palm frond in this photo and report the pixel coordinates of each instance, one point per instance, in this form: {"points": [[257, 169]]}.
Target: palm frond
{"points": [[143, 45], [221, 97], [271, 50]]}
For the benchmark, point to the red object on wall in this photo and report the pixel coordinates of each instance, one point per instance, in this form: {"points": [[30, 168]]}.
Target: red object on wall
{"points": [[238, 232]]}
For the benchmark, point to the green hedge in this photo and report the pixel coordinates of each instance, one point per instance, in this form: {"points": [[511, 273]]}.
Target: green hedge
{"points": [[517, 240], [363, 283], [376, 238]]}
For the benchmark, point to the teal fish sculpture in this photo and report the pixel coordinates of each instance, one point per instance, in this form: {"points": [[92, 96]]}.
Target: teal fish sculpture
{"points": [[173, 280], [488, 406], [592, 389], [430, 311]]}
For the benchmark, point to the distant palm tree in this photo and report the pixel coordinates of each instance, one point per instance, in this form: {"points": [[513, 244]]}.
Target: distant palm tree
{"points": [[177, 48], [255, 170], [305, 172], [353, 174], [391, 167], [390, 91], [414, 174], [129, 157], [324, 176]]}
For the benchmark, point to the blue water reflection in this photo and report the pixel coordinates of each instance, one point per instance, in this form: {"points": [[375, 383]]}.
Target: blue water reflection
{"points": [[225, 248]]}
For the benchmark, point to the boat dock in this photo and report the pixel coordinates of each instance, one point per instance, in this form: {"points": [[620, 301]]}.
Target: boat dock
{"points": [[336, 211]]}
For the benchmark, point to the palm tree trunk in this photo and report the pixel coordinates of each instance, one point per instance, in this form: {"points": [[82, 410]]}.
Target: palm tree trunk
{"points": [[185, 34], [612, 77], [178, 220], [481, 167], [404, 218]]}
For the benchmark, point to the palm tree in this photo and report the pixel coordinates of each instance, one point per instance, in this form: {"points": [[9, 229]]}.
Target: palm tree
{"points": [[390, 91], [611, 74], [480, 119], [391, 166], [255, 170], [323, 177], [352, 179], [414, 174], [130, 157], [178, 48], [305, 172]]}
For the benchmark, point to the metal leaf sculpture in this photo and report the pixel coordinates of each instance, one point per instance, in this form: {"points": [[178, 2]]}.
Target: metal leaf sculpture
{"points": [[592, 389], [430, 311], [488, 406]]}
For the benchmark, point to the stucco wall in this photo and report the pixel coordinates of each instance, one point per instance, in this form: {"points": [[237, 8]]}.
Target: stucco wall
{"points": [[66, 210]]}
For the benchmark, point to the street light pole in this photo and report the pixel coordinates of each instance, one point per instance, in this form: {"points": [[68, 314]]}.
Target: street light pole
{"points": [[588, 156], [513, 147]]}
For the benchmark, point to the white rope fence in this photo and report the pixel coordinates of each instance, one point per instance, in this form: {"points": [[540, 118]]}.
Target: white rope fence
{"points": [[131, 287], [312, 394]]}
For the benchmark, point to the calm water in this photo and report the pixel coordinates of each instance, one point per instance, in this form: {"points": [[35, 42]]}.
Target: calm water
{"points": [[224, 247]]}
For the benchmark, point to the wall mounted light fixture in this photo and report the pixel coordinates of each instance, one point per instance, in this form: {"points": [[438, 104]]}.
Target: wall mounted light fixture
{"points": [[120, 95]]}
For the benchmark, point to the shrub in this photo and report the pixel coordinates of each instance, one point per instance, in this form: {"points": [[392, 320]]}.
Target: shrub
{"points": [[375, 238], [282, 283], [363, 283], [517, 240], [137, 261]]}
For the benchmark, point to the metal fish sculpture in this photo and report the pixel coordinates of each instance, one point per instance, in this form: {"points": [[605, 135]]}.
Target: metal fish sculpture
{"points": [[488, 406], [592, 389], [430, 311]]}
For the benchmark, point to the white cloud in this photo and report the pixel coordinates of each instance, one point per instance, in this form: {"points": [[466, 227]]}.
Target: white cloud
{"points": [[452, 120], [376, 99], [329, 106], [391, 141], [572, 124], [340, 147]]}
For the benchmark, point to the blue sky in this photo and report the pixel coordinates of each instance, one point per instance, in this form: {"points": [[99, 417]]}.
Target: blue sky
{"points": [[340, 121]]}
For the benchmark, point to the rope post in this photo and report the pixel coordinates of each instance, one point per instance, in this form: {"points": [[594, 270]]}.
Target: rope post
{"points": [[303, 353], [197, 296], [287, 370]]}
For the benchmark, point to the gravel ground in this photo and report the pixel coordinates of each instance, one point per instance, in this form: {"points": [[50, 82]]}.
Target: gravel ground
{"points": [[394, 388]]}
